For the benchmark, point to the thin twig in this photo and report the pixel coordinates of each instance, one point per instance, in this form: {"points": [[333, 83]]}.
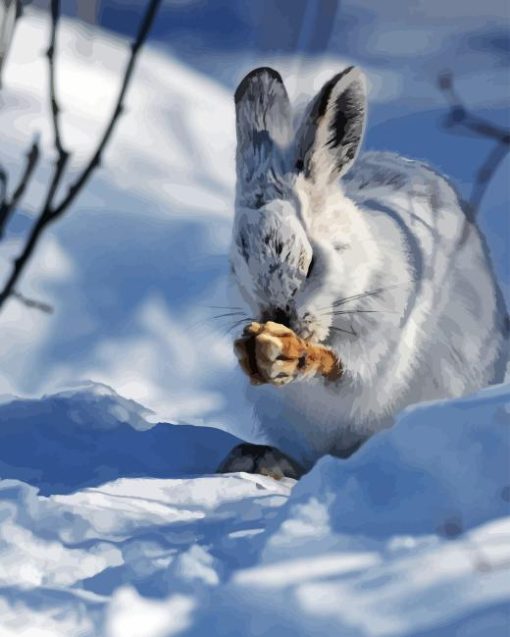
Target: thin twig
{"points": [[33, 303], [485, 173], [95, 160], [461, 118], [50, 53], [37, 230], [7, 207], [44, 217], [3, 185], [49, 212]]}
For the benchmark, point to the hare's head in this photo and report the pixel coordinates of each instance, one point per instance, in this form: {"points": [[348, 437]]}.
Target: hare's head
{"points": [[292, 224]]}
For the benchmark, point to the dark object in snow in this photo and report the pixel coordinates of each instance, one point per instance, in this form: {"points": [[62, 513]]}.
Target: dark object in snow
{"points": [[261, 459]]}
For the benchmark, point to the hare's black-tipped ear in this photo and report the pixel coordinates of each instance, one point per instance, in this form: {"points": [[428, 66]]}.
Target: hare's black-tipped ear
{"points": [[331, 132], [263, 123]]}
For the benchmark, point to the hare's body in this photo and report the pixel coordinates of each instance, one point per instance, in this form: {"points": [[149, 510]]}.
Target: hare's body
{"points": [[447, 337], [382, 266]]}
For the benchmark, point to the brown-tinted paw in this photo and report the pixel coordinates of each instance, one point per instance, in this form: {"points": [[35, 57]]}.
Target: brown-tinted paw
{"points": [[261, 459], [272, 353]]}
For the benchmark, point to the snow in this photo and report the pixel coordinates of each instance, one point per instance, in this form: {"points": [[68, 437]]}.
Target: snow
{"points": [[69, 560], [409, 537], [91, 435], [112, 521], [132, 615]]}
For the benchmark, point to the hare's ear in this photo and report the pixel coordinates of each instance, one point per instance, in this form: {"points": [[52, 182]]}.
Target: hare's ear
{"points": [[263, 122], [331, 132]]}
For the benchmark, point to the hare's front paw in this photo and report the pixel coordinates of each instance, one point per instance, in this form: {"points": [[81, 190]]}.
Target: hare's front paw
{"points": [[278, 354], [273, 353]]}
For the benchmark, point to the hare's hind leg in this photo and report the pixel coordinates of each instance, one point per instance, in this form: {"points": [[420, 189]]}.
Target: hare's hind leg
{"points": [[261, 459]]}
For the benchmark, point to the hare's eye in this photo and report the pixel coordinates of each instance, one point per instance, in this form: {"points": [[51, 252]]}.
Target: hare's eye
{"points": [[310, 267]]}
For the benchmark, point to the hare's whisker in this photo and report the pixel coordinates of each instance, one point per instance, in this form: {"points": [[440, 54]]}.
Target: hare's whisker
{"points": [[356, 297], [340, 312], [351, 332], [223, 307], [361, 295], [237, 324], [227, 314]]}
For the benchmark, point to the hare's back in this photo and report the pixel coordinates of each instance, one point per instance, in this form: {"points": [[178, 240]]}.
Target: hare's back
{"points": [[422, 198], [455, 282]]}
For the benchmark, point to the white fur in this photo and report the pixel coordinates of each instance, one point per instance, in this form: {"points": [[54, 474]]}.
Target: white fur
{"points": [[433, 325]]}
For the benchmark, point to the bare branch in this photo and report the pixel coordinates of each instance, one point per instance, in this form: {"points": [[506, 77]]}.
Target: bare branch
{"points": [[21, 262], [7, 207], [3, 186], [95, 160], [461, 118], [49, 213], [44, 217], [486, 172], [55, 108], [33, 303]]}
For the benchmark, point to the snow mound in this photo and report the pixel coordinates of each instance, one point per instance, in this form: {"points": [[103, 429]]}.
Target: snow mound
{"points": [[443, 468], [410, 537], [90, 435], [379, 544]]}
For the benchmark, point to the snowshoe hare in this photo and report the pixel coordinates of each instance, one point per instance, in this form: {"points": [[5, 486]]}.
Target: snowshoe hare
{"points": [[369, 286]]}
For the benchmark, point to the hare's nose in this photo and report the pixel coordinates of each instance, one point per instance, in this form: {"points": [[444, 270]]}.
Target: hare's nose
{"points": [[281, 316]]}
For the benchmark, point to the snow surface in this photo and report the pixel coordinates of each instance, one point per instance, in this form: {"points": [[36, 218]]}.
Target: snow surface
{"points": [[112, 522], [409, 537], [98, 436]]}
